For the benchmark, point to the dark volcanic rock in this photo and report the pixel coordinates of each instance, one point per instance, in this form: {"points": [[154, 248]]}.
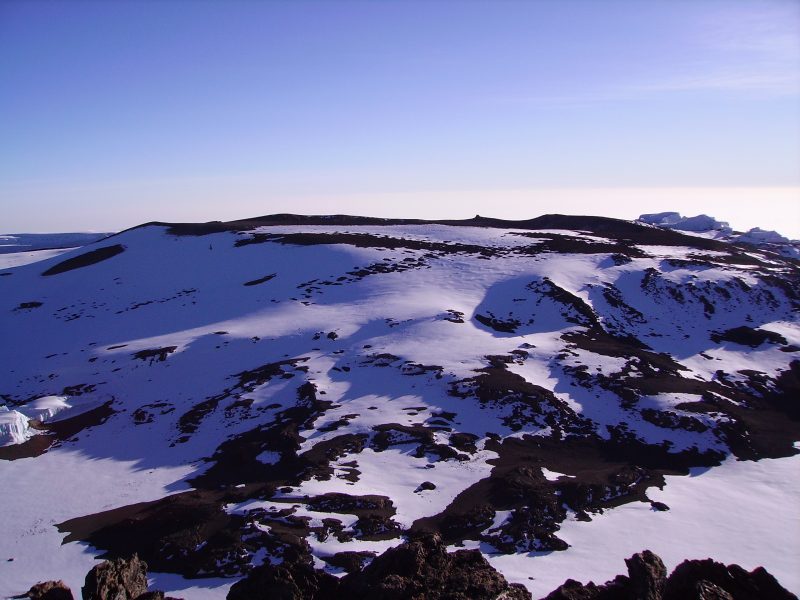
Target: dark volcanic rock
{"points": [[733, 579], [747, 336], [350, 561], [291, 580], [84, 260], [416, 570], [356, 505], [691, 580], [260, 280], [49, 590], [424, 569], [425, 485], [575, 590], [705, 590], [508, 326], [119, 579], [647, 575], [32, 304], [155, 354], [187, 533]]}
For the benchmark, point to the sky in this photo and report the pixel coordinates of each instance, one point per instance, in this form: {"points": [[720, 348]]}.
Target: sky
{"points": [[117, 113]]}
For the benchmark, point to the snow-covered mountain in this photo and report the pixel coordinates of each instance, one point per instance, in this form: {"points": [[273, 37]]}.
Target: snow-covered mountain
{"points": [[558, 393]]}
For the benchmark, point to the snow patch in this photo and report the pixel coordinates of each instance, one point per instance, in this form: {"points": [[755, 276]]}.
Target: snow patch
{"points": [[553, 475], [734, 513]]}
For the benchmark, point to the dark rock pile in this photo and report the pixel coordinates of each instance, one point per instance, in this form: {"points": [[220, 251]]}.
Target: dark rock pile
{"points": [[49, 590], [418, 569], [422, 569], [691, 580], [118, 579]]}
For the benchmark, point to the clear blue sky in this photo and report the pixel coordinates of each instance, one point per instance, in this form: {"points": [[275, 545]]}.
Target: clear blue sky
{"points": [[115, 113]]}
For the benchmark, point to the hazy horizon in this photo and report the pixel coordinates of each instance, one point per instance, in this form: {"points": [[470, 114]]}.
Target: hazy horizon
{"points": [[114, 114], [742, 208]]}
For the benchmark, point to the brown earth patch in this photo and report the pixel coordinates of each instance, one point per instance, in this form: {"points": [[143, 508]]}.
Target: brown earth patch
{"points": [[84, 260], [749, 336], [260, 280]]}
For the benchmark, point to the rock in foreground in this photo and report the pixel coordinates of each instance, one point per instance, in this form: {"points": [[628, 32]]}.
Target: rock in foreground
{"points": [[116, 580], [418, 569], [50, 590], [691, 580], [119, 579]]}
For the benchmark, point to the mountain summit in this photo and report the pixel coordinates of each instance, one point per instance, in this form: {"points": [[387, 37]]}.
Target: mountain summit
{"points": [[214, 397]]}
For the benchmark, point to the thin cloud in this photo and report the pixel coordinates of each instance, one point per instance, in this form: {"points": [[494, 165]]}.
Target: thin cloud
{"points": [[733, 47], [778, 83], [745, 47]]}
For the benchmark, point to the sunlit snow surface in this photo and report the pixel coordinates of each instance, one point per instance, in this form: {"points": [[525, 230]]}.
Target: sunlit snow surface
{"points": [[17, 259], [189, 292], [741, 512], [38, 493]]}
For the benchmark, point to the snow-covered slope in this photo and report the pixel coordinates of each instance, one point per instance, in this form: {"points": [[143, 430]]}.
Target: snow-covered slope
{"points": [[294, 385], [25, 248], [26, 242]]}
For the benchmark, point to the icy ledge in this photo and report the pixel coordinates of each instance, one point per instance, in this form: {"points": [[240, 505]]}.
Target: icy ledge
{"points": [[15, 424], [705, 226]]}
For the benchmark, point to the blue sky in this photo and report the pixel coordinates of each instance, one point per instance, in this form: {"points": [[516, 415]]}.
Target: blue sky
{"points": [[112, 114]]}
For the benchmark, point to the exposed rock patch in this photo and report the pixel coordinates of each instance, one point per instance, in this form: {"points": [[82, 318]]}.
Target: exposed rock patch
{"points": [[292, 580], [155, 354], [260, 280], [28, 305], [119, 579], [414, 570], [49, 590], [86, 259], [748, 336], [691, 580]]}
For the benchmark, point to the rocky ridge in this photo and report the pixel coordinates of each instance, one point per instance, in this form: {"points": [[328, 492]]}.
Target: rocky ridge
{"points": [[423, 569], [513, 375]]}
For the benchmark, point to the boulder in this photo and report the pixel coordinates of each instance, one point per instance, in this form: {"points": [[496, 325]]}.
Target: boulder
{"points": [[691, 580], [291, 580], [350, 561], [423, 569], [118, 579], [647, 575], [50, 590], [732, 579]]}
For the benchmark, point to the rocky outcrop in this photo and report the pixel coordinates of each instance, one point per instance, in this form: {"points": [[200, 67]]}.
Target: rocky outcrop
{"points": [[294, 579], [701, 579], [691, 580], [416, 570], [647, 575], [49, 590], [424, 569], [119, 579]]}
